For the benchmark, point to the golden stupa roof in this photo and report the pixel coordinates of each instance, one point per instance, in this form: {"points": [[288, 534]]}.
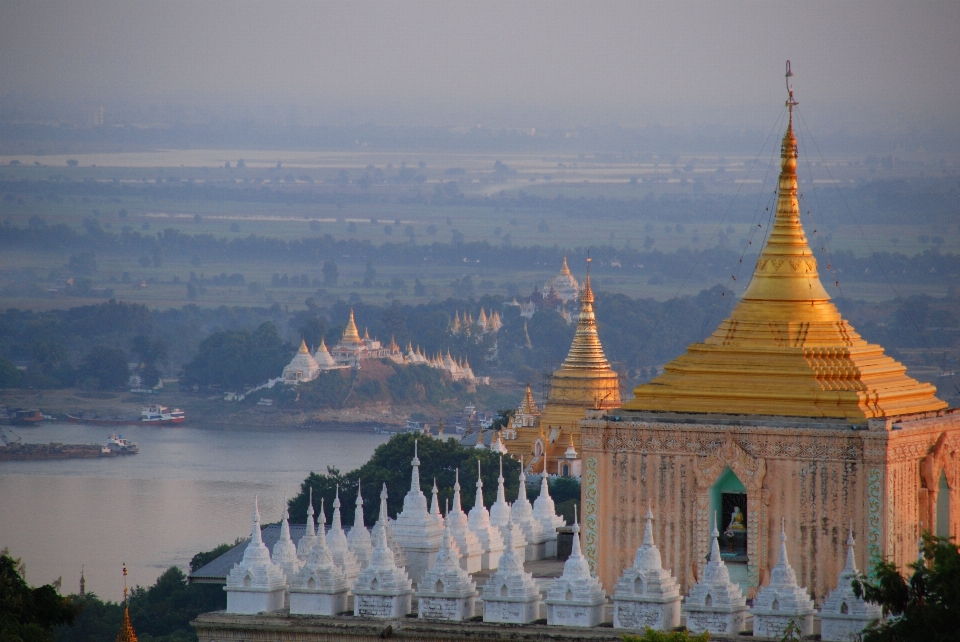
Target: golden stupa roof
{"points": [[586, 353], [303, 347], [785, 350], [565, 269], [528, 406], [350, 333], [126, 633]]}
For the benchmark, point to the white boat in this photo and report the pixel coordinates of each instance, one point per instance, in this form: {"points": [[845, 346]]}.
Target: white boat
{"points": [[158, 414]]}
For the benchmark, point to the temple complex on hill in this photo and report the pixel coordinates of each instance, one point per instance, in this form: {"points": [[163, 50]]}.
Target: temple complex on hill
{"points": [[783, 415], [549, 439], [559, 293], [352, 349]]}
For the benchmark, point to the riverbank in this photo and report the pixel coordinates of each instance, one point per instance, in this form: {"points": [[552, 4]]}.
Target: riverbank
{"points": [[206, 411]]}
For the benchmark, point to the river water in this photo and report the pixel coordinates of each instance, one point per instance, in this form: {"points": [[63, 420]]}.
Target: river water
{"points": [[187, 491]]}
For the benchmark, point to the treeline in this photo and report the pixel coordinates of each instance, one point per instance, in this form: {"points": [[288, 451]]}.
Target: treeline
{"points": [[928, 267]]}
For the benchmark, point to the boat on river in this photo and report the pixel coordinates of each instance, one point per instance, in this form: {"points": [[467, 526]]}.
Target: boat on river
{"points": [[118, 445], [153, 415]]}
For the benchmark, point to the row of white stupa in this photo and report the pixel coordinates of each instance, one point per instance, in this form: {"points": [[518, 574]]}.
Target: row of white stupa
{"points": [[320, 573]]}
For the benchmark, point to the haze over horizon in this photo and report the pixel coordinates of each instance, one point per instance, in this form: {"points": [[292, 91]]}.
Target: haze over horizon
{"points": [[860, 66]]}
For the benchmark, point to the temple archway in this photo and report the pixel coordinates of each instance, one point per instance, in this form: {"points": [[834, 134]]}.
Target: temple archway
{"points": [[728, 505]]}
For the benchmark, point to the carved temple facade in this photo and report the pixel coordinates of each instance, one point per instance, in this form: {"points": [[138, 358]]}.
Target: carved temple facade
{"points": [[784, 412]]}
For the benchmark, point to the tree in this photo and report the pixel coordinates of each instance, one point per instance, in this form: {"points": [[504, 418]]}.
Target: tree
{"points": [[925, 607], [232, 359], [104, 368], [312, 331], [150, 354], [369, 275], [330, 273], [29, 614], [10, 377], [83, 264]]}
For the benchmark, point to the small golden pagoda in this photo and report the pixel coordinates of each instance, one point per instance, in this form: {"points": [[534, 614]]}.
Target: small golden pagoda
{"points": [[350, 333], [126, 633], [785, 350], [584, 381]]}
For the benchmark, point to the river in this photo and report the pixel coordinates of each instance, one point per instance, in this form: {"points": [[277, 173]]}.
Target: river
{"points": [[187, 491]]}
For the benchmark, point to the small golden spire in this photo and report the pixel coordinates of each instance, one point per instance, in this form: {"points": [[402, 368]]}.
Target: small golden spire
{"points": [[586, 351], [303, 347], [126, 633], [350, 333]]}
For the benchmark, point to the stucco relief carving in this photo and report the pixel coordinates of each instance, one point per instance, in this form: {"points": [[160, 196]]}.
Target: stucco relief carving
{"points": [[702, 440], [874, 529], [590, 513]]}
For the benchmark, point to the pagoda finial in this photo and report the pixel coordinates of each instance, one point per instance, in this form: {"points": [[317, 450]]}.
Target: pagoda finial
{"points": [[648, 529], [309, 529], [358, 515], [255, 534], [126, 633], [415, 474]]}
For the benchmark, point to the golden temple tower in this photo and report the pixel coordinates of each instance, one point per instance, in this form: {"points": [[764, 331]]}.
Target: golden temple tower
{"points": [[785, 349], [126, 633], [350, 333], [584, 381]]}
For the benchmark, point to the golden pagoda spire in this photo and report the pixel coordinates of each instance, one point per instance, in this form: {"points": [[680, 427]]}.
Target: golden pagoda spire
{"points": [[126, 633], [565, 269], [785, 349], [586, 351], [350, 333], [303, 347]]}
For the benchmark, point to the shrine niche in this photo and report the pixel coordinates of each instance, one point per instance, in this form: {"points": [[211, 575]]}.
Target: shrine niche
{"points": [[940, 472], [729, 489]]}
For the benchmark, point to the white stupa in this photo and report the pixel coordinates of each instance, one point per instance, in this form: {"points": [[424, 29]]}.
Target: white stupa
{"points": [[358, 539], [467, 543], [576, 598], [320, 587], [384, 523], [285, 551], [646, 595], [491, 541], [306, 543], [843, 615], [416, 530], [446, 591], [500, 516], [302, 367], [323, 358], [782, 600], [511, 595], [339, 547], [435, 505], [255, 584], [383, 590], [545, 512], [522, 514], [716, 604]]}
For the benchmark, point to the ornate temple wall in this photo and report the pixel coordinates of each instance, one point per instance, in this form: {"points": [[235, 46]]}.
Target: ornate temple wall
{"points": [[820, 478]]}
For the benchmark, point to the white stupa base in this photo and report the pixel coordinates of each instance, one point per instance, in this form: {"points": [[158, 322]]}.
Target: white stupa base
{"points": [[535, 551], [471, 563], [490, 560], [308, 602], [419, 561], [383, 607], [550, 548], [715, 620], [451, 609], [842, 628], [511, 612], [774, 624], [247, 601], [573, 614], [638, 615]]}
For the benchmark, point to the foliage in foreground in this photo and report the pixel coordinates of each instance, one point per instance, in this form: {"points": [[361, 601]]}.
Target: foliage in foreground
{"points": [[682, 635], [925, 607], [160, 613], [29, 614]]}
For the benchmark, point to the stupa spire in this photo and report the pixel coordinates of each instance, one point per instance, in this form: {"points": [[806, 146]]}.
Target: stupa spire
{"points": [[785, 349], [415, 474], [126, 633], [586, 351], [303, 347], [350, 333]]}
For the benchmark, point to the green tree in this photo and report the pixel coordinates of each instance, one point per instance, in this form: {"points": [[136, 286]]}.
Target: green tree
{"points": [[83, 264], [10, 377], [369, 275], [925, 607], [232, 359], [312, 331], [29, 614], [330, 273], [151, 355], [105, 368]]}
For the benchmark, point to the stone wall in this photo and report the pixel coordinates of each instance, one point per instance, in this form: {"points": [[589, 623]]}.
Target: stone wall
{"points": [[821, 477]]}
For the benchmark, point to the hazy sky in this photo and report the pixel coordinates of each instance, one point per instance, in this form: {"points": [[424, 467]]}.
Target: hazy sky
{"points": [[464, 57]]}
